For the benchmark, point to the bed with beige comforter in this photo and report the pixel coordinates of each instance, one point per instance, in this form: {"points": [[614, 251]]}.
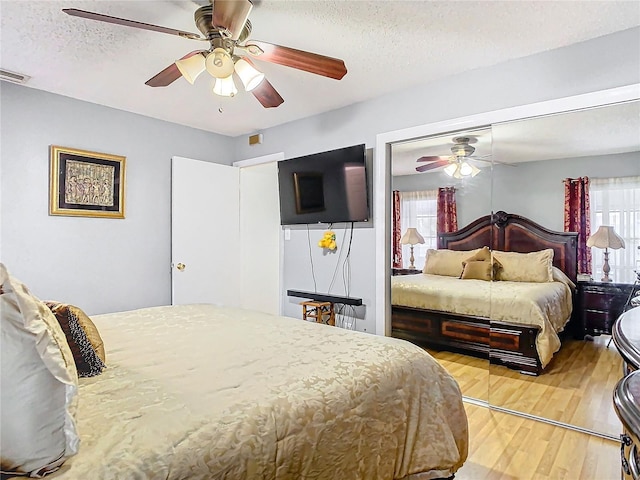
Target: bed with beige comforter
{"points": [[205, 392], [544, 305]]}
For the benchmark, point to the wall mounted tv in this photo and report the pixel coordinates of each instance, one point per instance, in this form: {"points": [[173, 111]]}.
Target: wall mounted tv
{"points": [[327, 187]]}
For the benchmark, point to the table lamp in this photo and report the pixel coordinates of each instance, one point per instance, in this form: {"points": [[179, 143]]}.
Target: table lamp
{"points": [[411, 237], [605, 238]]}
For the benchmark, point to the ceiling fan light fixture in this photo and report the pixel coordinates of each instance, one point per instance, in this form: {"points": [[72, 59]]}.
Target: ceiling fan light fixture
{"points": [[462, 150], [451, 169], [219, 63], [191, 67], [250, 77], [225, 87], [465, 169]]}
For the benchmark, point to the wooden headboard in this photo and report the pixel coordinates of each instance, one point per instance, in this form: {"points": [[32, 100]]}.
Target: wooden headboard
{"points": [[512, 233]]}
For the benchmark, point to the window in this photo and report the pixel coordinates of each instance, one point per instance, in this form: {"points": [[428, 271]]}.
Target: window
{"points": [[616, 202], [419, 210]]}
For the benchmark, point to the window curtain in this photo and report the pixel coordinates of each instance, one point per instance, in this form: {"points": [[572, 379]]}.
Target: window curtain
{"points": [[447, 211], [396, 253], [418, 210], [616, 202], [577, 217]]}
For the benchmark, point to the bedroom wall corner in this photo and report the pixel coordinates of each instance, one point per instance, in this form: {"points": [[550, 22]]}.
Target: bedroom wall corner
{"points": [[101, 265]]}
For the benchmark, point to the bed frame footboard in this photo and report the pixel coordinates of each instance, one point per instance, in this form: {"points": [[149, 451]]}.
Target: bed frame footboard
{"points": [[502, 343]]}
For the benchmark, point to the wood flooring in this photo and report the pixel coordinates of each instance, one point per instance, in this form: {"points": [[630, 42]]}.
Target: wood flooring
{"points": [[508, 447], [471, 373], [575, 388]]}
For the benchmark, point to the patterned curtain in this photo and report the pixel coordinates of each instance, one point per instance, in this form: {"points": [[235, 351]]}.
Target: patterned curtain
{"points": [[447, 212], [577, 217], [396, 253]]}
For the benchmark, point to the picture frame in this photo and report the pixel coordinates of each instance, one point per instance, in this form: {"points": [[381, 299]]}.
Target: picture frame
{"points": [[86, 184]]}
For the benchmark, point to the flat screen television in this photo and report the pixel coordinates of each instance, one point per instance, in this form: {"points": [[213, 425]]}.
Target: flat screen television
{"points": [[327, 187]]}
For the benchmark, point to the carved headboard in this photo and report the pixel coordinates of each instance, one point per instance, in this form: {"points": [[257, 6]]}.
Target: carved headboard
{"points": [[512, 233]]}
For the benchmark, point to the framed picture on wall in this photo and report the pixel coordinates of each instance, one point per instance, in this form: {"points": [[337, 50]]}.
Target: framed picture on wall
{"points": [[86, 184]]}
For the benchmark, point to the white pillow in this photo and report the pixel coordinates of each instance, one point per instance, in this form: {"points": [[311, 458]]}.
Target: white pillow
{"points": [[39, 384]]}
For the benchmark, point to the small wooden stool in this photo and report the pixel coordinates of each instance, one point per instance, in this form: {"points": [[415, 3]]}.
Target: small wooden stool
{"points": [[321, 311]]}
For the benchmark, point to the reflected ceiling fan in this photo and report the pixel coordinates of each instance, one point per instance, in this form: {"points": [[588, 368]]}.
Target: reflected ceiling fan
{"points": [[225, 26], [457, 164]]}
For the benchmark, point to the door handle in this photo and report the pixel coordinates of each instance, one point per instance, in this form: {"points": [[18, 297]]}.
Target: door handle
{"points": [[181, 266]]}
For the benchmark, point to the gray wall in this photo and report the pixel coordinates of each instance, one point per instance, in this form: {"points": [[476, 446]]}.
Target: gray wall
{"points": [[102, 265], [473, 195], [512, 190], [108, 265], [598, 64], [542, 200]]}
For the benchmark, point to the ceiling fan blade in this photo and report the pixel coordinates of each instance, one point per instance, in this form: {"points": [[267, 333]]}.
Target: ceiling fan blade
{"points": [[170, 74], [130, 23], [480, 159], [432, 166], [432, 159], [229, 16], [502, 163], [267, 95], [299, 59]]}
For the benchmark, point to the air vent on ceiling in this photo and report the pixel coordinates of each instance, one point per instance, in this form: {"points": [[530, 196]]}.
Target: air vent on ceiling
{"points": [[13, 77]]}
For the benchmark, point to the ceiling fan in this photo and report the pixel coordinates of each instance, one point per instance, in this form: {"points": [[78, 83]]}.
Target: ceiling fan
{"points": [[457, 164], [225, 26]]}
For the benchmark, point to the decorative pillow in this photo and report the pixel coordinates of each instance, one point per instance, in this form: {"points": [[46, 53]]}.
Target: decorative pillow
{"points": [[559, 276], [39, 385], [447, 262], [525, 267], [482, 255], [83, 338], [477, 270]]}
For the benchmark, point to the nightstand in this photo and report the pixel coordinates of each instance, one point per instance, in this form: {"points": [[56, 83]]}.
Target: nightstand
{"points": [[405, 271], [600, 304]]}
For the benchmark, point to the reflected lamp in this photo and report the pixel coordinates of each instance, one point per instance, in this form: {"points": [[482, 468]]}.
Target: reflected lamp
{"points": [[606, 238], [411, 237]]}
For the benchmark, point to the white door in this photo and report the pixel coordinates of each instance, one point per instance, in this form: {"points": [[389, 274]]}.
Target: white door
{"points": [[205, 233], [260, 238]]}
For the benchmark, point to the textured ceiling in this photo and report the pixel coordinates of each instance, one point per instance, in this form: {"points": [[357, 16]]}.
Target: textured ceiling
{"points": [[421, 40], [604, 130]]}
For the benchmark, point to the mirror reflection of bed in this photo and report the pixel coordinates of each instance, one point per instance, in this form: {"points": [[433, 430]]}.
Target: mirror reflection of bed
{"points": [[575, 386]]}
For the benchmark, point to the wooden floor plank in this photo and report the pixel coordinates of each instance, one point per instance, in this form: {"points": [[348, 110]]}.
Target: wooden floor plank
{"points": [[507, 447], [575, 388]]}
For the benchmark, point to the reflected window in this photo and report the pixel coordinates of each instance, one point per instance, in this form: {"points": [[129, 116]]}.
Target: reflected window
{"points": [[419, 210], [616, 202]]}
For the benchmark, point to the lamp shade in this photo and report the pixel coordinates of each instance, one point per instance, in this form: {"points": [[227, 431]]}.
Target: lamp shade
{"points": [[451, 169], [605, 237], [250, 77], [225, 87], [411, 237], [461, 169], [191, 67], [219, 63]]}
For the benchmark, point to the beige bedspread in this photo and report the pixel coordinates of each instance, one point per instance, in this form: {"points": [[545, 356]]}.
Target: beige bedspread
{"points": [[546, 305], [204, 392]]}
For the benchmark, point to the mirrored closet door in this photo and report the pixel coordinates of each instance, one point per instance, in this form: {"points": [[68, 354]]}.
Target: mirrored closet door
{"points": [[523, 171], [448, 172], [550, 159]]}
